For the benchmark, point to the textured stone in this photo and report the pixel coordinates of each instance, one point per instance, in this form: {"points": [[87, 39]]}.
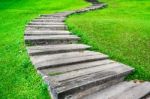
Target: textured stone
{"points": [[68, 68], [46, 23], [51, 49], [51, 17], [46, 32], [85, 79], [48, 20], [136, 92], [112, 91], [40, 58], [51, 39], [66, 61], [46, 27]]}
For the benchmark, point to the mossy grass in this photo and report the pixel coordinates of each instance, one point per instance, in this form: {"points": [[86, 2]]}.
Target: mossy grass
{"points": [[55, 73]]}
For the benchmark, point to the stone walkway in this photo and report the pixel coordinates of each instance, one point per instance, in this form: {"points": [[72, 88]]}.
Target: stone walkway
{"points": [[70, 69]]}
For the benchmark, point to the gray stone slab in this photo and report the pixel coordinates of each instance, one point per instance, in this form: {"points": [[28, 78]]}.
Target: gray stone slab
{"points": [[51, 17], [46, 27], [40, 58], [51, 49], [48, 20], [60, 62], [54, 15], [112, 91], [94, 7], [136, 92], [46, 32], [50, 39], [69, 75], [40, 26], [62, 14], [91, 79], [79, 66], [82, 93], [46, 23]]}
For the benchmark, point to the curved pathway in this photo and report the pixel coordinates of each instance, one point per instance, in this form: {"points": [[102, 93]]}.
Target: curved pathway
{"points": [[70, 69]]}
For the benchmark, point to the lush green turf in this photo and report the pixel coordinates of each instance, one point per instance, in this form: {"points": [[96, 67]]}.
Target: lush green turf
{"points": [[18, 78], [122, 30]]}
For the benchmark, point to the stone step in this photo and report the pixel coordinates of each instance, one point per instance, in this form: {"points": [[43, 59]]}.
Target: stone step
{"points": [[51, 17], [51, 39], [77, 84], [61, 14], [84, 92], [46, 27], [136, 92], [40, 58], [91, 8], [52, 63], [52, 49], [48, 20], [97, 69], [78, 66], [112, 91], [54, 15], [46, 23], [46, 61], [44, 32]]}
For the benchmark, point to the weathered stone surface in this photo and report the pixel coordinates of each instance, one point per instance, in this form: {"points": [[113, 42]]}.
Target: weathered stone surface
{"points": [[62, 14], [75, 81], [136, 92], [40, 58], [95, 6], [51, 39], [51, 17], [40, 26], [46, 27], [48, 20], [68, 68], [113, 68], [82, 93], [46, 23], [112, 91], [46, 32], [51, 49], [66, 61]]}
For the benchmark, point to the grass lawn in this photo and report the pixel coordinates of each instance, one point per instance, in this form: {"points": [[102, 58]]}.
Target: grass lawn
{"points": [[18, 78], [122, 30]]}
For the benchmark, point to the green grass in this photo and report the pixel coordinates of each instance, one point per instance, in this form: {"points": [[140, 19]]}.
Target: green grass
{"points": [[122, 30], [54, 73], [18, 78]]}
